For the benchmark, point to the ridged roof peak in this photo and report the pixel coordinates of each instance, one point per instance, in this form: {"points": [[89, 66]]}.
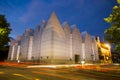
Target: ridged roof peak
{"points": [[65, 24], [53, 19]]}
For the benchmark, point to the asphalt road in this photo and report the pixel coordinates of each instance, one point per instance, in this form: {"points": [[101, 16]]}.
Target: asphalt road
{"points": [[17, 72]]}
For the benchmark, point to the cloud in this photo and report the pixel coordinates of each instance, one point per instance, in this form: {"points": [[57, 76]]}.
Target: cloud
{"points": [[32, 9], [35, 9], [38, 8]]}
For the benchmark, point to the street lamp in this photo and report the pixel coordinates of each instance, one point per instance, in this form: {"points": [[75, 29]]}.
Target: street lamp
{"points": [[107, 45], [83, 62], [18, 61]]}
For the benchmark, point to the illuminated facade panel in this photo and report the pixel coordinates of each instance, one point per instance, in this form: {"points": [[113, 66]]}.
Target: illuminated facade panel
{"points": [[54, 43]]}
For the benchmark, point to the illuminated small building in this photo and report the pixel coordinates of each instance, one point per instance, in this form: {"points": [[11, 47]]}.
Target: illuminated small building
{"points": [[104, 51], [52, 42]]}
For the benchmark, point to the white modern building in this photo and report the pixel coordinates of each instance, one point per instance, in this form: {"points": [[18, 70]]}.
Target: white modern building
{"points": [[52, 42]]}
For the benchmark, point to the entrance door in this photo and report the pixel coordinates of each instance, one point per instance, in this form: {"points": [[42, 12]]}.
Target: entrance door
{"points": [[77, 58]]}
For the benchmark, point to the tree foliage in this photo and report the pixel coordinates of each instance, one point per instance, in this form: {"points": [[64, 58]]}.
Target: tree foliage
{"points": [[113, 32], [4, 32]]}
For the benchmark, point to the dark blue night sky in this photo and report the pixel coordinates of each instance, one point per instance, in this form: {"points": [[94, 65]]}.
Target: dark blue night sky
{"points": [[88, 15]]}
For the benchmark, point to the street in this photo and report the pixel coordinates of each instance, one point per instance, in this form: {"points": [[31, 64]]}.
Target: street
{"points": [[22, 72]]}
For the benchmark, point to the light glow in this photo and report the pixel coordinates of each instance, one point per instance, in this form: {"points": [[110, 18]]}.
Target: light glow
{"points": [[1, 72], [53, 66], [107, 45], [83, 62]]}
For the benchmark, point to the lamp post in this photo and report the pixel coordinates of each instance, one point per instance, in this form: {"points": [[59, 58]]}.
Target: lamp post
{"points": [[108, 53]]}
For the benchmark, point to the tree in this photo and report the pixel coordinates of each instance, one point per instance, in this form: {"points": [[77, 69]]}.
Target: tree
{"points": [[4, 32], [112, 34]]}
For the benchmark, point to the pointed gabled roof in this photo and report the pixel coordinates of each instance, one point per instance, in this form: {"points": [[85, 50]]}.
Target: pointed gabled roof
{"points": [[53, 24], [66, 27], [65, 23], [74, 29], [28, 32], [74, 26], [83, 34], [43, 23], [18, 38], [53, 19], [37, 28], [87, 37]]}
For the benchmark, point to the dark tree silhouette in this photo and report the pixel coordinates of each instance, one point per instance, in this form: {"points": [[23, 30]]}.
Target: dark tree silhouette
{"points": [[113, 32], [4, 36]]}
